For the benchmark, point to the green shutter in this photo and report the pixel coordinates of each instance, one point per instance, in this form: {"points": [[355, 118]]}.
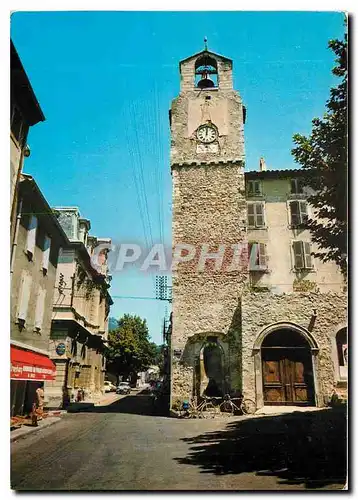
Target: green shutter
{"points": [[303, 211], [298, 254], [293, 186], [295, 213], [257, 187], [299, 186], [308, 257]]}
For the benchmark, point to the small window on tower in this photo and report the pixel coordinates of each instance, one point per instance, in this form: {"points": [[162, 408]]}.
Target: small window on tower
{"points": [[206, 73]]}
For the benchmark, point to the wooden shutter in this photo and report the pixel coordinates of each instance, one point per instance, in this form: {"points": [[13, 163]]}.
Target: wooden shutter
{"points": [[46, 252], [31, 235], [260, 221], [293, 186], [251, 214], [253, 256], [308, 257], [296, 186], [303, 211], [295, 213], [262, 255], [24, 297], [40, 308], [298, 254], [250, 187]]}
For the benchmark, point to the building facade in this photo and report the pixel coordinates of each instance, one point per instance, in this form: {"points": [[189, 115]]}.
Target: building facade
{"points": [[38, 238], [253, 311], [25, 112], [80, 313]]}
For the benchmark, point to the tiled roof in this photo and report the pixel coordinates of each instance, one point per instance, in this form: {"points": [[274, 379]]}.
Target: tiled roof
{"points": [[289, 172]]}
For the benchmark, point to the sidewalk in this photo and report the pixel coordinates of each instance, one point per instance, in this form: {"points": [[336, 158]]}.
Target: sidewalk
{"points": [[24, 430], [54, 416]]}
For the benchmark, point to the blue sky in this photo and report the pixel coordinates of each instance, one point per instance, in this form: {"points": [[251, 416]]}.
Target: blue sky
{"points": [[105, 80]]}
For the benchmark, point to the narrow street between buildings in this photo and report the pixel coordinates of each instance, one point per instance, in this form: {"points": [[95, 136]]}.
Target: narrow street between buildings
{"points": [[123, 446]]}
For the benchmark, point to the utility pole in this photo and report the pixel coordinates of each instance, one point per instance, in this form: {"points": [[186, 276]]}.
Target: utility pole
{"points": [[162, 290]]}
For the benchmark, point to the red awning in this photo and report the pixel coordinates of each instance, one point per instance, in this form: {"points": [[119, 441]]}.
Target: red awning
{"points": [[28, 365]]}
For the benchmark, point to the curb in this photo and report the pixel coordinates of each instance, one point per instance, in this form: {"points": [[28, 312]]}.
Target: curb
{"points": [[56, 413], [30, 430]]}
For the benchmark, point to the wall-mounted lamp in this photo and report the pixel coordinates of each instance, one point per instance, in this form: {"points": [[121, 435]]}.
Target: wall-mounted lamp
{"points": [[27, 151]]}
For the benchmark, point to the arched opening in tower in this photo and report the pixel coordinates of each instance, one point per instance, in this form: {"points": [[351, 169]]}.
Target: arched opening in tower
{"points": [[206, 72]]}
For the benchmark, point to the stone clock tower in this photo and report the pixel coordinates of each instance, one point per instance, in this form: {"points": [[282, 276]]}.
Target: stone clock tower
{"points": [[209, 215]]}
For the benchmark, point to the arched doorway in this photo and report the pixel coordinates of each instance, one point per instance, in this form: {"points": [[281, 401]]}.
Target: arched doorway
{"points": [[211, 369], [287, 370]]}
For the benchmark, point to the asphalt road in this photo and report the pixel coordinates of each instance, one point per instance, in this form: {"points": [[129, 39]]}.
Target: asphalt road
{"points": [[124, 447]]}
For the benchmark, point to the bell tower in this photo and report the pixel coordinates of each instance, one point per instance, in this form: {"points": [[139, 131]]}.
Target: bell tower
{"points": [[209, 216]]}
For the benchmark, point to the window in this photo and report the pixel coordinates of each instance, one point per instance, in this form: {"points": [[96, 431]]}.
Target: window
{"points": [[296, 186], [31, 237], [342, 351], [255, 215], [298, 210], [46, 253], [17, 124], [254, 188], [24, 297], [257, 256], [302, 255], [40, 308]]}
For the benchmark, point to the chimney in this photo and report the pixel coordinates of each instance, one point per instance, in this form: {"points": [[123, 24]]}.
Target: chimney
{"points": [[262, 165]]}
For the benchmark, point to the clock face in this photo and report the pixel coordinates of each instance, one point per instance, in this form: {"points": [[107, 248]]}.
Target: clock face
{"points": [[206, 134]]}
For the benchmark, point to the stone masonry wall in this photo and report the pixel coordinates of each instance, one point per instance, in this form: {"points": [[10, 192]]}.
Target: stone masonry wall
{"points": [[231, 137], [260, 310], [208, 208]]}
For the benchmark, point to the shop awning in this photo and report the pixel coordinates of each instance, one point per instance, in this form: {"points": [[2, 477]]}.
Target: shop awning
{"points": [[28, 365]]}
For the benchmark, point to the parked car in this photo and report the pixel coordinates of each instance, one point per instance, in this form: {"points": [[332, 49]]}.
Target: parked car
{"points": [[123, 388], [108, 386]]}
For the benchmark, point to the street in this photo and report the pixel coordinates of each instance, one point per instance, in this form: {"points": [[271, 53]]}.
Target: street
{"points": [[123, 446]]}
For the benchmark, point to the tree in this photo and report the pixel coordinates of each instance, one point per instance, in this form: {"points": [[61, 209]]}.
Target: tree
{"points": [[129, 348], [324, 156]]}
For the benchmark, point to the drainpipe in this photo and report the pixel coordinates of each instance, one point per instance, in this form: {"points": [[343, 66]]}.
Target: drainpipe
{"points": [[14, 244]]}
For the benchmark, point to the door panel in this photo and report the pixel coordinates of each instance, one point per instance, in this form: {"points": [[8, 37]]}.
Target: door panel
{"points": [[273, 388], [287, 377]]}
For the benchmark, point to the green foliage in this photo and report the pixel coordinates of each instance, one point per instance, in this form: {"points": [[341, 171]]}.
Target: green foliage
{"points": [[324, 156], [129, 348]]}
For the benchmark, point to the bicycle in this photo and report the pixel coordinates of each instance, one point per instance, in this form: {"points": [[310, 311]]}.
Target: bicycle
{"points": [[245, 406], [194, 410]]}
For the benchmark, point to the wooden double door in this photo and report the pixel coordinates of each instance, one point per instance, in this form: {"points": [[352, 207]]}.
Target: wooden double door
{"points": [[287, 376]]}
